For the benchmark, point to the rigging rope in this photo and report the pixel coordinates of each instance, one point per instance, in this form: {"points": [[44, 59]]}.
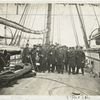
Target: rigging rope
{"points": [[80, 10], [73, 25], [27, 22], [18, 35], [5, 25], [23, 43], [19, 23], [22, 23], [96, 17], [82, 27], [33, 20]]}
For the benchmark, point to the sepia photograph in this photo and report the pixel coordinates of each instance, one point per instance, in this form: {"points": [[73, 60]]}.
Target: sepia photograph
{"points": [[50, 49]]}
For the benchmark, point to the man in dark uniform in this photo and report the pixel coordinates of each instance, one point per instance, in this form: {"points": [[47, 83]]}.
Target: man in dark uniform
{"points": [[33, 56], [37, 59], [80, 60], [43, 58], [60, 60], [65, 51], [25, 54], [72, 60], [51, 58]]}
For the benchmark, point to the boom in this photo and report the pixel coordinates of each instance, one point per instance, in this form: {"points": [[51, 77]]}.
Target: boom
{"points": [[17, 26]]}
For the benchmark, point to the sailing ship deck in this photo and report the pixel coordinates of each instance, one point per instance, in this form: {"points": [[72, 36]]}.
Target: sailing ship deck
{"points": [[56, 20], [55, 84]]}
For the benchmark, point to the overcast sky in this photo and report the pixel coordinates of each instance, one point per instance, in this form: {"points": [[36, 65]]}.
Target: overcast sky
{"points": [[61, 27]]}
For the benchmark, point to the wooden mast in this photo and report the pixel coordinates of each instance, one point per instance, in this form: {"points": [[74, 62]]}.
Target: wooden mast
{"points": [[48, 24]]}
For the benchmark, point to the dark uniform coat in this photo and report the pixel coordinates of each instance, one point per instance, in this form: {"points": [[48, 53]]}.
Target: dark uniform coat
{"points": [[65, 52], [43, 59], [25, 55], [60, 57], [72, 58], [51, 56], [33, 55], [80, 58]]}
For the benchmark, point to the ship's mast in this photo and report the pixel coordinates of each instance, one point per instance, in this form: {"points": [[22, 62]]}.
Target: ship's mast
{"points": [[82, 27], [48, 24]]}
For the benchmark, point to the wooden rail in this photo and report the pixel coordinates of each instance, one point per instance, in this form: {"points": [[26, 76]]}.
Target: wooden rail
{"points": [[93, 58]]}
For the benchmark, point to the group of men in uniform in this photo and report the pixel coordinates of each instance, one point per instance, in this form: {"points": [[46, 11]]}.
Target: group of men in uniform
{"points": [[55, 58]]}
